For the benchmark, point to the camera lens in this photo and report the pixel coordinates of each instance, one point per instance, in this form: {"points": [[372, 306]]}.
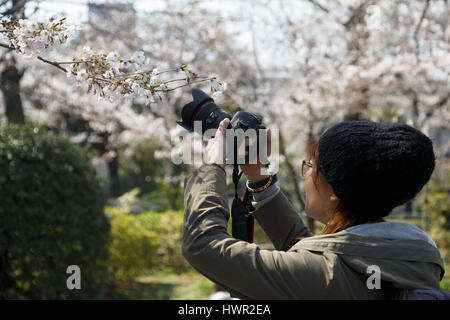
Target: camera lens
{"points": [[203, 109]]}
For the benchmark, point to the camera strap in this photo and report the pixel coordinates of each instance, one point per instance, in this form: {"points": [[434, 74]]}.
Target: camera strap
{"points": [[242, 223]]}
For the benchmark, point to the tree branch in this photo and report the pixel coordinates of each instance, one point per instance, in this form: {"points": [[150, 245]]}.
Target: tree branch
{"points": [[441, 103], [318, 5], [292, 171], [357, 16], [7, 46], [419, 25], [55, 64], [16, 7]]}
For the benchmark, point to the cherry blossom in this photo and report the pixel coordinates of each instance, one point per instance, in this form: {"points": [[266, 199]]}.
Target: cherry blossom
{"points": [[33, 38], [100, 71]]}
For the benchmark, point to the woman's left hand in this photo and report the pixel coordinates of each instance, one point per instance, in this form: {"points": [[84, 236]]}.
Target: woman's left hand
{"points": [[215, 151]]}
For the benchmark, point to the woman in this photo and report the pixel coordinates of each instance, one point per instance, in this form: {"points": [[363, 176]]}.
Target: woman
{"points": [[354, 176]]}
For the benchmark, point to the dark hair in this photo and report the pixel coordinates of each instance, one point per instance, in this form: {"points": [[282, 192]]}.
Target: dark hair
{"points": [[342, 218]]}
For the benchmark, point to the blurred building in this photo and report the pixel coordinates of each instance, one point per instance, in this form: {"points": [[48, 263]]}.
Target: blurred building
{"points": [[121, 15]]}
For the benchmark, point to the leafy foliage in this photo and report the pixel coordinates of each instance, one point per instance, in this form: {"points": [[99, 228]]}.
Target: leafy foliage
{"points": [[139, 168], [435, 201], [169, 227], [133, 246], [51, 209], [152, 176], [143, 242]]}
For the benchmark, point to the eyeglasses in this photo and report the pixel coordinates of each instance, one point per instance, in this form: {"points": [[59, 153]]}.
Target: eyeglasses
{"points": [[305, 167]]}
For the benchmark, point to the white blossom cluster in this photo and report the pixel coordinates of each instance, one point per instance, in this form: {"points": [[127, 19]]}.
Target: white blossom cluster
{"points": [[105, 74], [216, 86], [32, 38], [114, 78]]}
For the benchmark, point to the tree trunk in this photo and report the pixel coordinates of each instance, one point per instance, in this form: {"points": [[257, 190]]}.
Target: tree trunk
{"points": [[113, 168], [408, 208], [359, 89], [10, 76], [310, 222], [112, 161], [10, 86], [293, 173]]}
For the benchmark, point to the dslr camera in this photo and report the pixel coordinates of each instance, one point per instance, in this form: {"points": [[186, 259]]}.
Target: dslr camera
{"points": [[203, 109]]}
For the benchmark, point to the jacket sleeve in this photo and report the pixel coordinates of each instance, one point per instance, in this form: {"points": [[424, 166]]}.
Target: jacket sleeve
{"points": [[238, 266], [281, 222]]}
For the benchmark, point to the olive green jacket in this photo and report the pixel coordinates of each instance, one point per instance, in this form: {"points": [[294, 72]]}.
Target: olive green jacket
{"points": [[335, 266]]}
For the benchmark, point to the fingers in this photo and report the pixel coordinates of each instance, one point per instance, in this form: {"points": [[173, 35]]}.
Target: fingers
{"points": [[223, 125], [269, 142]]}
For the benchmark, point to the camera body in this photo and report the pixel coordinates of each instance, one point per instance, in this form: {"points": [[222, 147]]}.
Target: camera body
{"points": [[203, 109]]}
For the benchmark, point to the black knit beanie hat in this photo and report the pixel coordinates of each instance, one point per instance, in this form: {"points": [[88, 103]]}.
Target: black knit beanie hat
{"points": [[374, 167]]}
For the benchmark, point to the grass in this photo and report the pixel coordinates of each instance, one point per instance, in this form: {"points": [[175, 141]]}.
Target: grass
{"points": [[165, 284]]}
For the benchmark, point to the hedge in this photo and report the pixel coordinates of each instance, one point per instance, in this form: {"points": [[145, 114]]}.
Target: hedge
{"points": [[51, 217]]}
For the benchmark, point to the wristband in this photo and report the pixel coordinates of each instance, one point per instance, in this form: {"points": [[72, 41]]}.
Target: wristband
{"points": [[263, 184]]}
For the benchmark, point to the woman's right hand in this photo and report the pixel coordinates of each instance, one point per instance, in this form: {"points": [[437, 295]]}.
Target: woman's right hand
{"points": [[257, 172]]}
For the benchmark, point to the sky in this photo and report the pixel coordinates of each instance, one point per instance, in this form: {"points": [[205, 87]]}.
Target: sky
{"points": [[76, 12]]}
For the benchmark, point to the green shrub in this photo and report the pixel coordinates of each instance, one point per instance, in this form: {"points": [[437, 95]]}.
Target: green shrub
{"points": [[133, 246], [51, 216], [169, 229], [169, 196], [140, 169], [445, 282], [435, 202], [143, 241]]}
